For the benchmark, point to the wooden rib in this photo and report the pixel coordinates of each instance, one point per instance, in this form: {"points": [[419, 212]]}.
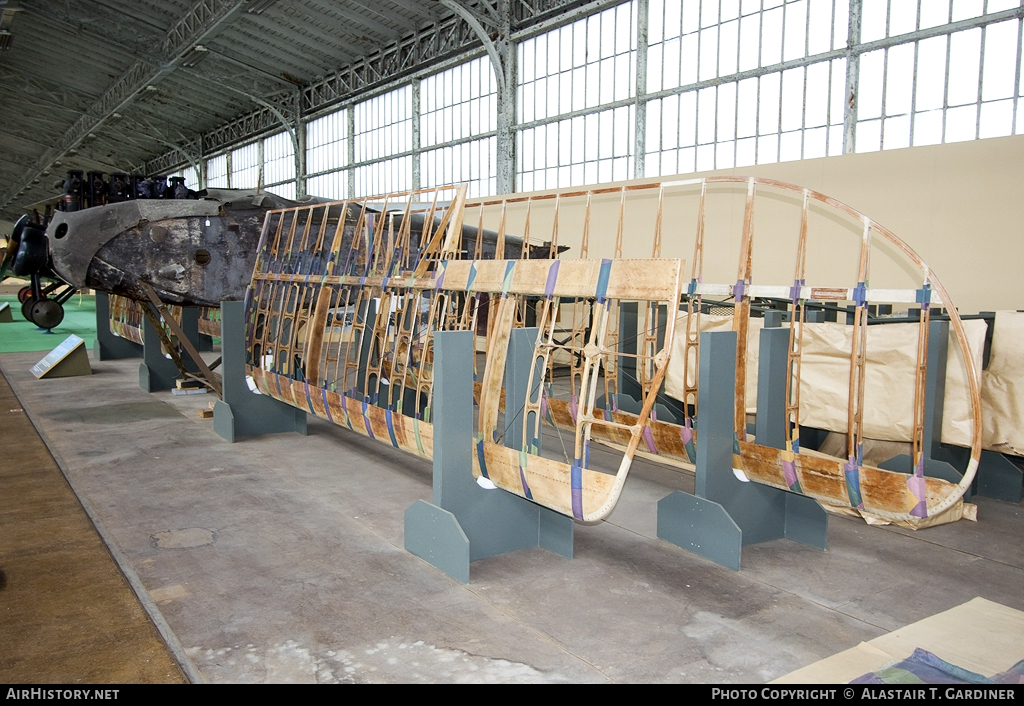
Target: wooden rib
{"points": [[920, 378], [479, 243], [553, 248], [794, 354], [585, 241], [539, 365], [453, 214], [741, 313], [858, 358], [656, 248], [691, 341]]}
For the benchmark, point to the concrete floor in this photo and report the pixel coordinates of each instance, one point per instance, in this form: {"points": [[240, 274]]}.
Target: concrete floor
{"points": [[67, 615], [280, 559]]}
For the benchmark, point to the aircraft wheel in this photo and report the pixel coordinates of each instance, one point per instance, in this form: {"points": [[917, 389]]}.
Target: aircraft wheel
{"points": [[47, 313], [24, 294], [26, 307]]}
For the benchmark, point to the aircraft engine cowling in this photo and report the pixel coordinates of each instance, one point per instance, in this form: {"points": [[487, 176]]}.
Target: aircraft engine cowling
{"points": [[31, 256]]}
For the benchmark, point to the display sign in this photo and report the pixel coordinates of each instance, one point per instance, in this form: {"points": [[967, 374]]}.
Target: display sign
{"points": [[68, 359]]}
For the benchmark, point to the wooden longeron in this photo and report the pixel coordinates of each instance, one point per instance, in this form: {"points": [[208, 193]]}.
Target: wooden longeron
{"points": [[346, 297]]}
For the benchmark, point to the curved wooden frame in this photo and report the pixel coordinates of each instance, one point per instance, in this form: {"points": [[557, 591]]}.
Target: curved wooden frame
{"points": [[382, 385]]}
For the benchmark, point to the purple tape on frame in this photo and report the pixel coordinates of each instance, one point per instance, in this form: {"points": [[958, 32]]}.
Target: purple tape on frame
{"points": [[686, 431], [738, 289], [794, 291], [574, 407], [366, 421], [789, 473], [918, 487], [327, 407], [549, 287], [649, 439]]}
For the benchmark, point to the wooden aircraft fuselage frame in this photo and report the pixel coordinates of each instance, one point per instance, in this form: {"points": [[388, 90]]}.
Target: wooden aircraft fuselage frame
{"points": [[342, 312]]}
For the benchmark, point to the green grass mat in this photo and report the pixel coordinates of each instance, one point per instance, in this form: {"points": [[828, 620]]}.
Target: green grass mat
{"points": [[21, 335]]}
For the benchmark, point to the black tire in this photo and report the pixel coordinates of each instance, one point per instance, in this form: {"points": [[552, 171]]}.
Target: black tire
{"points": [[26, 307], [24, 294], [47, 313]]}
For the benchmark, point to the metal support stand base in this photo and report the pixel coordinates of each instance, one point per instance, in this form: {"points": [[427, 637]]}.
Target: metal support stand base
{"points": [[938, 462], [243, 412], [725, 513], [107, 345], [467, 522], [999, 478], [158, 372]]}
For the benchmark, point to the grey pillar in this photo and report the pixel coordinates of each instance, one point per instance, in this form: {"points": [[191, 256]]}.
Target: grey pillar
{"points": [[243, 412], [108, 346]]}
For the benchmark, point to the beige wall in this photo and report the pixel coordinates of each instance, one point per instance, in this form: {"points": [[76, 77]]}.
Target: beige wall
{"points": [[959, 206]]}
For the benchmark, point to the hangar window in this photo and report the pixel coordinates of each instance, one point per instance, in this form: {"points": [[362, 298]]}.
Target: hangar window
{"points": [[245, 166], [217, 172], [576, 89], [279, 165], [327, 148], [383, 129], [947, 88], [661, 87], [458, 119]]}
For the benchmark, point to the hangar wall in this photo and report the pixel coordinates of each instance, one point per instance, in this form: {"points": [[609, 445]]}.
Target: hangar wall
{"points": [[958, 205]]}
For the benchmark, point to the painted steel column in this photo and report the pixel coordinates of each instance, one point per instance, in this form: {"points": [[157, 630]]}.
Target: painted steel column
{"points": [[350, 116], [415, 134], [852, 78], [202, 164], [300, 150], [640, 111], [261, 179], [507, 91]]}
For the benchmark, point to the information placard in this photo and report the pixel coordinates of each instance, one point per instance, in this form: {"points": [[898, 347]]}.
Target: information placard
{"points": [[68, 359]]}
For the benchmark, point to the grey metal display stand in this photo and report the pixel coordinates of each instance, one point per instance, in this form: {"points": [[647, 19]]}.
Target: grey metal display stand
{"points": [[630, 391], [157, 371], [996, 477], [107, 345], [466, 522], [243, 412], [726, 513]]}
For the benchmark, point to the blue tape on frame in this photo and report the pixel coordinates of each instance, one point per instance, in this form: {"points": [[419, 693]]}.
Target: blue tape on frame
{"points": [[576, 486], [602, 280], [860, 294]]}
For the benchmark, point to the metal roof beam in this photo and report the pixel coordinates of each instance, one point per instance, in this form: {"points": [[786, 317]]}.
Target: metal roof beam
{"points": [[203, 21], [419, 8], [55, 18], [406, 24], [300, 60], [250, 68]]}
